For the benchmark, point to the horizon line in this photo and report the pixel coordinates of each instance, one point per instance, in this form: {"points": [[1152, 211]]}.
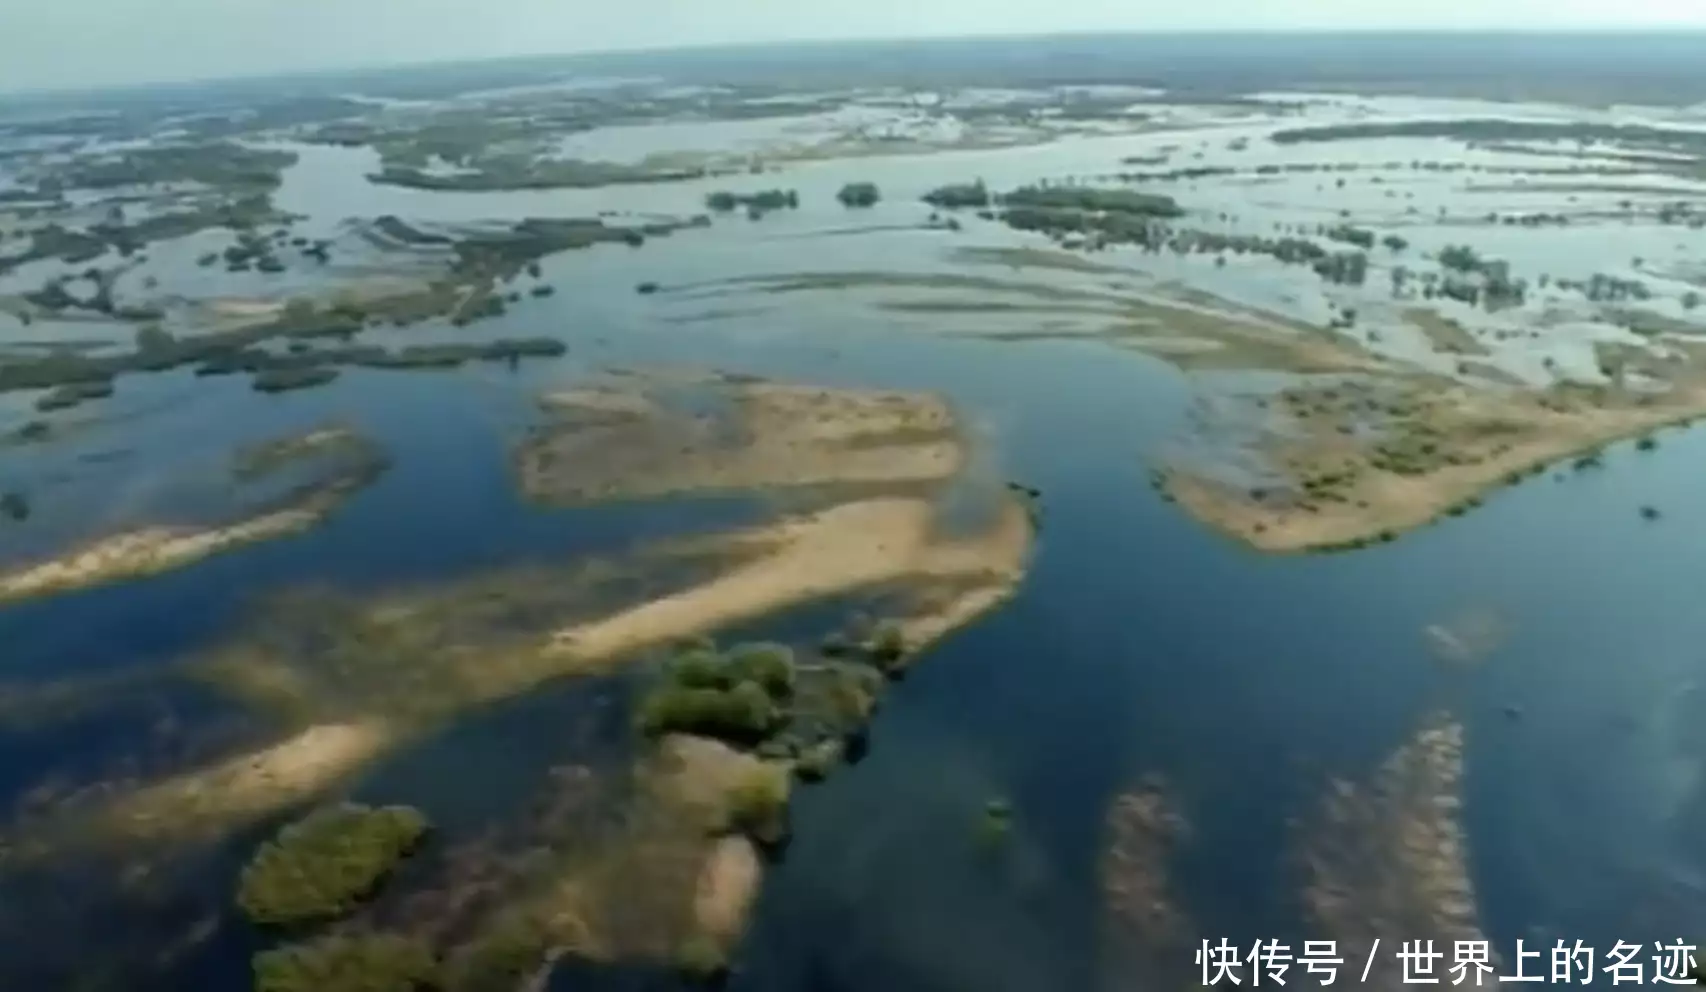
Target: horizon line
{"points": [[661, 50]]}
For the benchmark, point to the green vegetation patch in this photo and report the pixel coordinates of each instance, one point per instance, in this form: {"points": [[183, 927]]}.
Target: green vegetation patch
{"points": [[701, 959], [744, 714], [758, 803], [759, 696], [364, 963], [756, 204], [958, 195], [1093, 199], [327, 864], [859, 195]]}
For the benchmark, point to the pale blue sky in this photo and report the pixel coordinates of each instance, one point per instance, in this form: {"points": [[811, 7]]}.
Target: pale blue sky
{"points": [[59, 43]]}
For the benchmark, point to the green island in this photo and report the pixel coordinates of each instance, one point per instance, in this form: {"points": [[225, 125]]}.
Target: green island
{"points": [[756, 204], [327, 864], [335, 963]]}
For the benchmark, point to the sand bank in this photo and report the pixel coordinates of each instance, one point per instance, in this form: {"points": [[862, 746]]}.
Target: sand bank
{"points": [[151, 550], [1190, 329], [641, 439], [160, 548], [1142, 830], [816, 556], [375, 676], [421, 657], [1387, 859], [1361, 462], [250, 785]]}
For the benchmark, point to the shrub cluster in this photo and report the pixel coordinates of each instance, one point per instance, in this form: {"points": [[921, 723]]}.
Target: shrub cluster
{"points": [[327, 864], [735, 696], [366, 963]]}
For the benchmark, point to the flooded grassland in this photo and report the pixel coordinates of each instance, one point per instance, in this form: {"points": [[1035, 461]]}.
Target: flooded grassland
{"points": [[608, 467]]}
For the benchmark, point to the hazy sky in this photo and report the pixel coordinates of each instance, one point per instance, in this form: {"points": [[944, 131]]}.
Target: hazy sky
{"points": [[60, 43]]}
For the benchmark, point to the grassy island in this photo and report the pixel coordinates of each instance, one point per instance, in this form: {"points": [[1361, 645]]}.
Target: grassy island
{"points": [[327, 864], [862, 194], [758, 696], [360, 963], [1364, 461]]}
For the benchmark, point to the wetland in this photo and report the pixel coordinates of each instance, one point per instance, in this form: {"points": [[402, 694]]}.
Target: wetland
{"points": [[796, 524]]}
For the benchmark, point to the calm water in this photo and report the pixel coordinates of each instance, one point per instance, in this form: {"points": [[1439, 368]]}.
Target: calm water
{"points": [[1139, 643]]}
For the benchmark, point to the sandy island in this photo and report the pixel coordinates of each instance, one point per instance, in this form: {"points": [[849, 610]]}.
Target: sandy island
{"points": [[663, 437], [154, 549], [249, 785], [816, 556], [1365, 445], [1362, 461]]}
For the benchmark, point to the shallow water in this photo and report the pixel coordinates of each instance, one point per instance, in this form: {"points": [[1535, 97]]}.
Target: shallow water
{"points": [[1139, 642]]}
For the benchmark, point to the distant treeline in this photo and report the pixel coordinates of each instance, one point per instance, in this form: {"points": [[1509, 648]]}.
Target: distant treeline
{"points": [[1499, 129]]}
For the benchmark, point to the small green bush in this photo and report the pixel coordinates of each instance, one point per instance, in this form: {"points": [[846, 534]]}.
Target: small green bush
{"points": [[745, 713], [861, 194], [887, 646], [758, 803], [996, 823], [501, 957], [327, 864], [769, 665], [701, 668], [701, 959], [853, 694], [369, 963]]}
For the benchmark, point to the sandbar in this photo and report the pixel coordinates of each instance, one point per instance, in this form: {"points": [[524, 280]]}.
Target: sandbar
{"points": [[157, 548], [1389, 857], [364, 698], [1142, 831], [248, 786], [815, 556], [151, 550], [1363, 462], [728, 883], [631, 441], [665, 872]]}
